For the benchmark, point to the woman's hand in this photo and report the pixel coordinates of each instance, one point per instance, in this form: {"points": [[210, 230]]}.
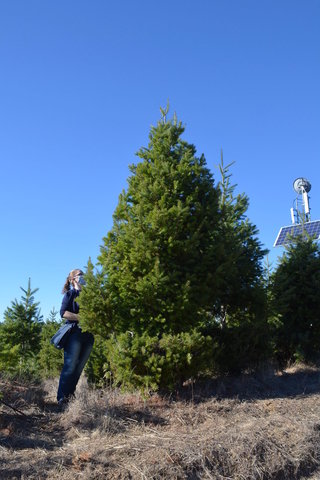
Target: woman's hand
{"points": [[72, 317]]}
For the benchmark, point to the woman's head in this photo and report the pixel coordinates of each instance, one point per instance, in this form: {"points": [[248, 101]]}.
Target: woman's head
{"points": [[72, 280]]}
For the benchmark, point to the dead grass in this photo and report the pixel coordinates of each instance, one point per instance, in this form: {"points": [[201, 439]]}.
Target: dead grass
{"points": [[246, 428]]}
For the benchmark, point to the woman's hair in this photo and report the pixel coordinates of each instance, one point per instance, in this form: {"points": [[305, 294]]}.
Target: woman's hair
{"points": [[72, 275]]}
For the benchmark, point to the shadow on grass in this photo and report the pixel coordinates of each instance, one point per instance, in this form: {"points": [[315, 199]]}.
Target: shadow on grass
{"points": [[31, 431], [140, 416], [257, 386]]}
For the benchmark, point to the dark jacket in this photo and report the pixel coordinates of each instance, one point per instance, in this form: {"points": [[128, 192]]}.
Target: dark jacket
{"points": [[68, 302]]}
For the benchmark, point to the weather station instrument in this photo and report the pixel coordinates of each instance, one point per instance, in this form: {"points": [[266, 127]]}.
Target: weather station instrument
{"points": [[300, 216]]}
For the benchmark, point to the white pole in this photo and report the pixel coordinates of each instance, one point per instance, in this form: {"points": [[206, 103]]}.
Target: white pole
{"points": [[306, 202]]}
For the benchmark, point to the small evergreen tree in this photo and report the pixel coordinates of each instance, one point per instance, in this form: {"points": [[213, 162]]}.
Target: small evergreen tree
{"points": [[50, 358], [295, 289], [20, 334]]}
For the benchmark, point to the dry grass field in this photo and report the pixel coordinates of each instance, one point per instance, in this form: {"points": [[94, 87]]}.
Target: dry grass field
{"points": [[264, 426]]}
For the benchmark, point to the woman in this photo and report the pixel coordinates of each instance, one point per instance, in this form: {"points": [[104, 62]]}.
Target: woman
{"points": [[79, 344]]}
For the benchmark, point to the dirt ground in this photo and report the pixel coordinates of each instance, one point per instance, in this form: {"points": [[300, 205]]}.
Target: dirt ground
{"points": [[262, 427]]}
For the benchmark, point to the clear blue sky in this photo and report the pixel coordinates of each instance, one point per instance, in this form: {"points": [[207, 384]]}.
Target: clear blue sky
{"points": [[82, 81]]}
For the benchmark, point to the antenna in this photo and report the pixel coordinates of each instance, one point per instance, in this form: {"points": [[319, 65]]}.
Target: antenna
{"points": [[302, 187], [300, 216]]}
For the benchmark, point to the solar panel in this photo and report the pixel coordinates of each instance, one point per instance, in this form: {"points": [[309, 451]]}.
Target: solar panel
{"points": [[312, 229]]}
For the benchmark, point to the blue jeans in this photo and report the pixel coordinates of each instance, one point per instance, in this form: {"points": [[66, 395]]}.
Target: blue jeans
{"points": [[76, 354]]}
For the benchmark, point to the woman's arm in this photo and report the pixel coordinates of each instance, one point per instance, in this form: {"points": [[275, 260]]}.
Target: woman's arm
{"points": [[73, 317]]}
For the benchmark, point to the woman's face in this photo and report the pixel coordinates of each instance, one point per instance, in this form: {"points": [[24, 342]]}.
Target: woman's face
{"points": [[78, 280]]}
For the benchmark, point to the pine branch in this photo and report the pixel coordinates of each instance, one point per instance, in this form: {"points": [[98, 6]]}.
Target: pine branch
{"points": [[13, 408]]}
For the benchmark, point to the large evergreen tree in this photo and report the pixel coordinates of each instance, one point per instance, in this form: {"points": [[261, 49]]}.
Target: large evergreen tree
{"points": [[180, 252]]}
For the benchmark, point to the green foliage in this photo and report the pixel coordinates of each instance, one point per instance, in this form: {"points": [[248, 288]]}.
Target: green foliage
{"points": [[238, 322], [187, 355], [20, 334], [240, 252], [97, 364], [242, 343], [50, 358], [180, 258], [158, 259], [150, 363], [95, 311], [295, 297]]}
